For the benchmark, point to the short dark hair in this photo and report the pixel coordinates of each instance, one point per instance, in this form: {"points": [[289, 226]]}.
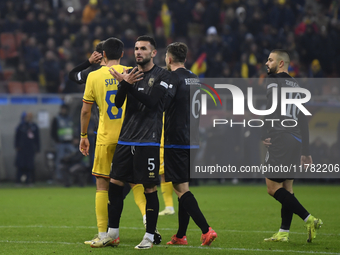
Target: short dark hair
{"points": [[113, 48], [147, 39], [178, 50], [99, 47], [282, 53]]}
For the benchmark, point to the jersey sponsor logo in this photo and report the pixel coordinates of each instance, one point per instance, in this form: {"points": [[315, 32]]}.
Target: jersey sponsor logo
{"points": [[151, 81]]}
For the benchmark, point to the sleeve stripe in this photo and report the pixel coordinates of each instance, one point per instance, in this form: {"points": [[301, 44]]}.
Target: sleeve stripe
{"points": [[164, 84], [272, 85], [79, 76], [88, 101]]}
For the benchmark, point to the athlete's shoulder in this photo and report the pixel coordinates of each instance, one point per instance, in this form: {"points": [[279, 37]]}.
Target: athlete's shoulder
{"points": [[98, 71], [120, 68], [184, 73], [159, 70]]}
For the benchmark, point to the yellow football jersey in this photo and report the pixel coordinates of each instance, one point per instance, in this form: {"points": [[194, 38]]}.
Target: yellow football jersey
{"points": [[102, 88]]}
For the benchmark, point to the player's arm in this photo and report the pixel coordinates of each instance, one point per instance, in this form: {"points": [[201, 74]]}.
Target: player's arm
{"points": [[151, 100], [306, 158], [80, 72], [85, 116], [125, 80], [174, 82]]}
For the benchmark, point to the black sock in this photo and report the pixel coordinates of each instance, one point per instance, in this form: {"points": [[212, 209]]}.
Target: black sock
{"points": [[152, 209], [290, 202], [190, 205], [126, 190], [286, 217], [183, 220], [115, 206]]}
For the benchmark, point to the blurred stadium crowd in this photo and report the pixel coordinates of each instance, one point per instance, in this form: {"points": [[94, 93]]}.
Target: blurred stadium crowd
{"points": [[42, 40]]}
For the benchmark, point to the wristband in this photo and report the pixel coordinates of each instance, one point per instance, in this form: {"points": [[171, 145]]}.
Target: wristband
{"points": [[83, 135]]}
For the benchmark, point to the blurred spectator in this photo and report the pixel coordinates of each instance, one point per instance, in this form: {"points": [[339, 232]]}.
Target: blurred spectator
{"points": [[143, 26], [243, 68], [315, 70], [81, 36], [32, 57], [69, 86], [62, 134], [11, 23], [51, 71], [27, 144], [75, 167], [90, 11], [181, 16], [211, 15], [21, 74], [30, 26]]}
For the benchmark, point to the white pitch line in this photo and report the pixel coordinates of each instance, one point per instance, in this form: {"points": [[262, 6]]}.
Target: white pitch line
{"points": [[166, 229], [183, 246]]}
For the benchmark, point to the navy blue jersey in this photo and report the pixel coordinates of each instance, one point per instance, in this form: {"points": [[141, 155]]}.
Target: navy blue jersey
{"points": [[181, 127], [278, 81], [143, 124]]}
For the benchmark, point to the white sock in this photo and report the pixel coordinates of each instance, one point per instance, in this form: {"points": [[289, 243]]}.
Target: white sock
{"points": [[305, 220], [283, 230], [102, 235], [113, 233], [171, 208], [149, 236]]}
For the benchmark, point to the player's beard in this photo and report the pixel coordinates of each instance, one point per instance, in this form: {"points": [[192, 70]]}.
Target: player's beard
{"points": [[144, 61], [272, 70]]}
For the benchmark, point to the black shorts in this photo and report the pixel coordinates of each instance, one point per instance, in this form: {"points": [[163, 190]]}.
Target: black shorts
{"points": [[286, 151], [177, 164], [136, 164]]}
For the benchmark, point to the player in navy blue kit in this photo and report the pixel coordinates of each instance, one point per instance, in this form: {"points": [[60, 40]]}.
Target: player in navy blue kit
{"points": [[285, 146], [136, 159], [180, 140]]}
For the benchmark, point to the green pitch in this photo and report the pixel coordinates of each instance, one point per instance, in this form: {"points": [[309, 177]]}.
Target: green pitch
{"points": [[58, 220]]}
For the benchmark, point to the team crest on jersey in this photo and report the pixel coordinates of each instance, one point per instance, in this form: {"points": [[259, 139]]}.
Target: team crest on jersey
{"points": [[151, 81]]}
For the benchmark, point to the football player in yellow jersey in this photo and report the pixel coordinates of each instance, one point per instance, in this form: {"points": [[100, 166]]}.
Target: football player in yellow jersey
{"points": [[101, 88]]}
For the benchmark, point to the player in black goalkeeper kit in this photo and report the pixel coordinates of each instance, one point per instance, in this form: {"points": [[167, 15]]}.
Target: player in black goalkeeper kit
{"points": [[136, 159], [287, 145], [79, 73], [180, 140]]}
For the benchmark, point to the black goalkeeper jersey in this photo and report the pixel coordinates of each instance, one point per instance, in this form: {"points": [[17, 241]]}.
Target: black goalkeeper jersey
{"points": [[278, 81], [181, 127], [143, 120]]}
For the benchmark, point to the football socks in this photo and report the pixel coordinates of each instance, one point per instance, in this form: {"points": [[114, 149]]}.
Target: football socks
{"points": [[101, 210], [152, 209]]}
